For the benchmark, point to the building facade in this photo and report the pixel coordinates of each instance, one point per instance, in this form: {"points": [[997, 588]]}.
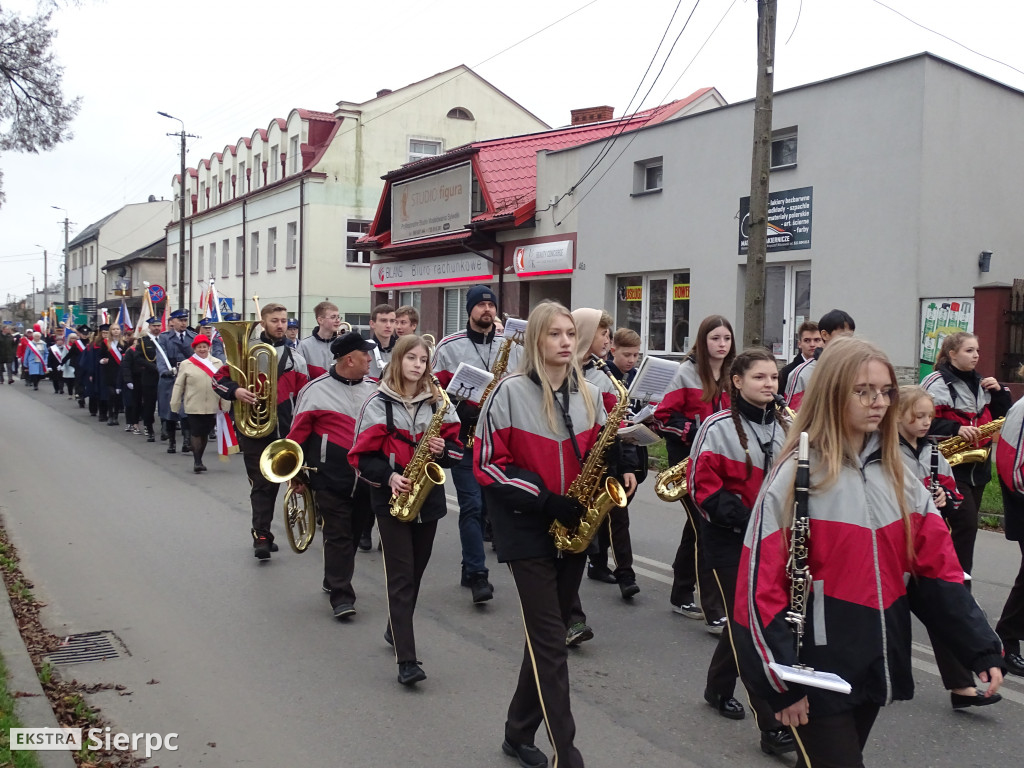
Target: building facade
{"points": [[277, 214], [128, 278]]}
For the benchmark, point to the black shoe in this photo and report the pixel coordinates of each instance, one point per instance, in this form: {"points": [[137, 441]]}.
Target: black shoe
{"points": [[344, 610], [597, 573], [186, 447], [628, 589], [81, 404], [388, 637], [200, 467], [171, 448], [979, 699], [410, 673], [527, 754], [467, 580], [365, 543], [273, 546], [578, 633], [727, 706], [1014, 663], [163, 435], [261, 547], [777, 742], [150, 437], [482, 589]]}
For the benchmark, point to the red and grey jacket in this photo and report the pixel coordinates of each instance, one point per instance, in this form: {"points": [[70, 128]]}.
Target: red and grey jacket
{"points": [[680, 414], [1010, 465], [864, 587], [799, 379], [317, 354], [387, 433], [919, 462], [472, 348], [718, 480], [292, 375], [324, 425], [519, 460]]}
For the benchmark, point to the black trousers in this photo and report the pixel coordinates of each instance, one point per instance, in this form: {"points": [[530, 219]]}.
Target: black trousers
{"points": [[1011, 623], [406, 548], [58, 383], [690, 572], [147, 404], [614, 535], [963, 524], [262, 492], [724, 667], [343, 522], [547, 589], [113, 400], [836, 741]]}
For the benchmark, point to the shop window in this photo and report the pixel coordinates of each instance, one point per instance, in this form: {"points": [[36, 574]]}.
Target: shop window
{"points": [[784, 148], [455, 317], [353, 255], [657, 306], [420, 148]]}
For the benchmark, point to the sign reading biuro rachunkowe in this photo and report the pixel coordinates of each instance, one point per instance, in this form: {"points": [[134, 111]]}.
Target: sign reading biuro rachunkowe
{"points": [[789, 220], [432, 205]]}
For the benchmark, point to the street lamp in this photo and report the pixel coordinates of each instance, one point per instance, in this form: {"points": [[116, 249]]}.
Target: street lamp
{"points": [[181, 213], [58, 208]]}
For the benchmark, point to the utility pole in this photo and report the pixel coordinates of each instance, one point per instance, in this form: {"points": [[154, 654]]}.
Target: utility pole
{"points": [[66, 275], [181, 209], [46, 289], [34, 318], [757, 248]]}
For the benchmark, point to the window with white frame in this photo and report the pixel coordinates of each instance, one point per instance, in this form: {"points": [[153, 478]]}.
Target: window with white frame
{"points": [[202, 195], [240, 180], [354, 256], [656, 306], [257, 167], [213, 260], [292, 245], [293, 154], [420, 148], [275, 163], [239, 256], [410, 299], [360, 322], [647, 175], [271, 249], [201, 271], [254, 252], [225, 258], [784, 148], [455, 317], [174, 269], [460, 113]]}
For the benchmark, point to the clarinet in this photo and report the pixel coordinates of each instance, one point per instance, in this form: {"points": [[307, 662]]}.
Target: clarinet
{"points": [[933, 483], [796, 567]]}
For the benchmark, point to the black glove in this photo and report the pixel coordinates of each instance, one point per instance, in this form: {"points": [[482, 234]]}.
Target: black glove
{"points": [[565, 510]]}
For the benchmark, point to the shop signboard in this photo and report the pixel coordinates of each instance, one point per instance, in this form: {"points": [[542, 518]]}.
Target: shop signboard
{"points": [[432, 205], [939, 319], [543, 258], [789, 220], [438, 269]]}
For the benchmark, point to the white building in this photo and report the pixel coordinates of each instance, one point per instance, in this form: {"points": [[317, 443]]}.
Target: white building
{"points": [[277, 214]]}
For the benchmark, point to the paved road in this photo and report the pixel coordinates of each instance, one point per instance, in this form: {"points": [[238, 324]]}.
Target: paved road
{"points": [[252, 670]]}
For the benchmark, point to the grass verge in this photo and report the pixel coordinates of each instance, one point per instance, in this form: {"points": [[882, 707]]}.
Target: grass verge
{"points": [[16, 758]]}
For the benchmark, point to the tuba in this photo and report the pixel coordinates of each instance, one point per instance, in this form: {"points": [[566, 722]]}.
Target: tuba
{"points": [[280, 462], [253, 365], [960, 451], [422, 470]]}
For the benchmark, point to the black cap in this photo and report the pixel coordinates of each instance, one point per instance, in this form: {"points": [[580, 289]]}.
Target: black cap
{"points": [[349, 342], [105, 327]]}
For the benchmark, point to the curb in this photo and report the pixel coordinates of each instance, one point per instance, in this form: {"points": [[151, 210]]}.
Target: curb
{"points": [[32, 707]]}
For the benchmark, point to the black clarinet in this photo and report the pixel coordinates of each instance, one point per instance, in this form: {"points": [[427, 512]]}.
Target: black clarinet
{"points": [[933, 483], [800, 533]]}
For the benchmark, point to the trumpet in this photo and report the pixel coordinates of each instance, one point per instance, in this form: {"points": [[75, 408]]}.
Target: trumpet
{"points": [[280, 462]]}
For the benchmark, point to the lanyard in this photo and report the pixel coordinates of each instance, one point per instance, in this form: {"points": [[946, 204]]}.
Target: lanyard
{"points": [[487, 362], [568, 422]]}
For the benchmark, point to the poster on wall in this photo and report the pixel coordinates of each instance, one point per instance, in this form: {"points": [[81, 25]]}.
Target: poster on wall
{"points": [[789, 220], [940, 318]]}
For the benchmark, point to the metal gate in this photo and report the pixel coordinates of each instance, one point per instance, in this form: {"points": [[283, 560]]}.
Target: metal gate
{"points": [[1014, 355]]}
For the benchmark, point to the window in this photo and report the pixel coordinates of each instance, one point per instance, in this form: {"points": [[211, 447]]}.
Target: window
{"points": [[657, 306], [460, 113], [293, 152], [271, 249], [213, 260], [257, 165], [784, 148], [188, 267], [420, 148], [291, 246], [787, 303], [647, 175], [239, 256], [240, 181], [409, 299], [202, 195], [275, 162], [174, 269], [360, 323], [202, 262], [455, 317], [356, 229], [225, 259], [254, 252]]}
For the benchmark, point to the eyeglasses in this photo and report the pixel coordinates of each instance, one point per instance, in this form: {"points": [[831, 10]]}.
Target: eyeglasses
{"points": [[868, 396]]}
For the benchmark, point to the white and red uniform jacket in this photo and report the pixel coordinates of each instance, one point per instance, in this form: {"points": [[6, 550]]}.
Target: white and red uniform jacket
{"points": [[317, 354], [1010, 466], [519, 461], [680, 414], [864, 587], [919, 462], [798, 382]]}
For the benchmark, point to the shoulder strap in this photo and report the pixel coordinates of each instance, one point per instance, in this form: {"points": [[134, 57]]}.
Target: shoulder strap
{"points": [[389, 417]]}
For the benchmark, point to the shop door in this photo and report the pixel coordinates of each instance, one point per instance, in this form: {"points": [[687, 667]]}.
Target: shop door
{"points": [[787, 303]]}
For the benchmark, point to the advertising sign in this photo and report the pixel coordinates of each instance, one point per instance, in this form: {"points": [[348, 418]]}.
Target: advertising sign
{"points": [[432, 205], [789, 220], [940, 318], [440, 269], [543, 258]]}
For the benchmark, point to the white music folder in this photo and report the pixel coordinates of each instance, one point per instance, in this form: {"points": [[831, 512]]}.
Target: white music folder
{"points": [[812, 677]]}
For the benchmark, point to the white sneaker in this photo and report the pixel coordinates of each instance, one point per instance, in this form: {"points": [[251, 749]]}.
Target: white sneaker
{"points": [[689, 610], [717, 626]]}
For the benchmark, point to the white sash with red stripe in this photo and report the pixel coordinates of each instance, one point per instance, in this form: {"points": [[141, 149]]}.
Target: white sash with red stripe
{"points": [[227, 441], [114, 351], [38, 354], [79, 345]]}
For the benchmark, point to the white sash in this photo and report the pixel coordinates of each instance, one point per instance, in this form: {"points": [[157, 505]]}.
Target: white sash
{"points": [[114, 351], [204, 365], [163, 355], [38, 354], [59, 353]]}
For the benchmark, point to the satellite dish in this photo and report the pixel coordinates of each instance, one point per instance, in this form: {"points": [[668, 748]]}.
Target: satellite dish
{"points": [[122, 271]]}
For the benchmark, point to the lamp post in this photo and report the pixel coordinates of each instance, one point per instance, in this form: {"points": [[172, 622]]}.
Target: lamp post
{"points": [[181, 212], [58, 208]]}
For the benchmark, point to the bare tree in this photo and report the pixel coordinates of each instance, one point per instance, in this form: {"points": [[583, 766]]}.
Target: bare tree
{"points": [[35, 115]]}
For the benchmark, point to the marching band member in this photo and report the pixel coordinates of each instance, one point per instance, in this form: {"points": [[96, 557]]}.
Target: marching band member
{"points": [[832, 325], [324, 425], [391, 425], [478, 346], [731, 455], [382, 334], [878, 550], [698, 389], [291, 377], [175, 346], [1010, 466], [808, 342], [533, 434], [194, 395], [316, 348], [407, 320], [55, 362]]}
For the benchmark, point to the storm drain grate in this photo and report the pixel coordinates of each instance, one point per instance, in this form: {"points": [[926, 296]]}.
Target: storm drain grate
{"points": [[88, 646]]}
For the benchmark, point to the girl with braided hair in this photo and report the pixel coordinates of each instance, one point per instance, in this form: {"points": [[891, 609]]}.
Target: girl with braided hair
{"points": [[731, 455]]}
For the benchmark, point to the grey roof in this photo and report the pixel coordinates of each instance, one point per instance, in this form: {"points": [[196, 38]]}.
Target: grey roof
{"points": [[155, 251]]}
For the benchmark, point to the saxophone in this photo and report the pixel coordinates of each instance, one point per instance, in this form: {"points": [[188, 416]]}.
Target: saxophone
{"points": [[960, 451], [597, 493], [422, 470], [670, 485], [500, 366]]}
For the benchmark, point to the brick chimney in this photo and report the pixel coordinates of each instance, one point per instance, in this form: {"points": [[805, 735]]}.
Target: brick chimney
{"points": [[592, 115], [383, 92]]}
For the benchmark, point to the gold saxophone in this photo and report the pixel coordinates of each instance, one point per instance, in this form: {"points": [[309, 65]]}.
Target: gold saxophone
{"points": [[500, 366], [670, 485], [253, 365], [597, 493], [422, 470], [960, 451]]}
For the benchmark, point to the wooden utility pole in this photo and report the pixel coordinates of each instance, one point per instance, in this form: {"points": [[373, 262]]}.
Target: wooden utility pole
{"points": [[753, 315]]}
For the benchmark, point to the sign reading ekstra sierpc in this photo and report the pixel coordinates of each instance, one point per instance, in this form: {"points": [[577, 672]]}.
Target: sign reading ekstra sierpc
{"points": [[432, 205]]}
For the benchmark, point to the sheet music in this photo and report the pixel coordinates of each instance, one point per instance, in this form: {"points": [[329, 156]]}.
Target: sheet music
{"points": [[643, 414], [468, 383], [515, 328], [812, 677], [652, 380], [638, 434]]}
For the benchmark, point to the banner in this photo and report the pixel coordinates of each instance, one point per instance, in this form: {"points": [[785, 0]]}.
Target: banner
{"points": [[939, 319]]}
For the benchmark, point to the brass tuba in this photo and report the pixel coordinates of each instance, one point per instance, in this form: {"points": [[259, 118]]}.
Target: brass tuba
{"points": [[280, 462], [960, 451], [421, 469], [253, 365]]}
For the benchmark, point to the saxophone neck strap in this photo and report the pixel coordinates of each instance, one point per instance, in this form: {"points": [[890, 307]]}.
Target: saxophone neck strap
{"points": [[389, 416], [564, 408]]}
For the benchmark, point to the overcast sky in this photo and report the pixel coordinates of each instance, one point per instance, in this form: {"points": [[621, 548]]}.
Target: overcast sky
{"points": [[226, 68]]}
